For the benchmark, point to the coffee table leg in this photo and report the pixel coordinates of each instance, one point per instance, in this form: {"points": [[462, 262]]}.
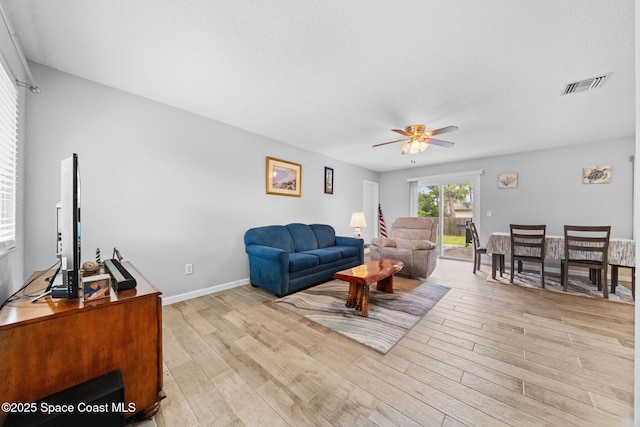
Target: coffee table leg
{"points": [[351, 296], [359, 291], [386, 285], [365, 301]]}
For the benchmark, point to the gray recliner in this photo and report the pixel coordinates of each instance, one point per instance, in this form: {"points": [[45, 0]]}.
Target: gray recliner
{"points": [[412, 241]]}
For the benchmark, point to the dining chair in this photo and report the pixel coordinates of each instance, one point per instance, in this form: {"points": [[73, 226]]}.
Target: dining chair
{"points": [[479, 250], [587, 247], [527, 245]]}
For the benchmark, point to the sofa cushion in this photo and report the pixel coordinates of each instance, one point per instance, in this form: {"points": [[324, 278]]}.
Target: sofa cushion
{"points": [[275, 236], [304, 239], [383, 242], [301, 261], [346, 251], [325, 234], [325, 255], [414, 244]]}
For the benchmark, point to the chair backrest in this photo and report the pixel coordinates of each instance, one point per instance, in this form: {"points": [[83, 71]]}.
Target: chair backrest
{"points": [[528, 240], [587, 243], [474, 234], [412, 228]]}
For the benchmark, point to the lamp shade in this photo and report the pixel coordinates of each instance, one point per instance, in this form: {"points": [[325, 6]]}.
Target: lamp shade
{"points": [[414, 147], [357, 220]]}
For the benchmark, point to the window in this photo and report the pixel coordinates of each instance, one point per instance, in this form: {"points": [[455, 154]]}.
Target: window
{"points": [[8, 160]]}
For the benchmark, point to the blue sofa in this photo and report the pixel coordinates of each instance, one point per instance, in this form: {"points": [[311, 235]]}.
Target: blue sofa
{"points": [[284, 259]]}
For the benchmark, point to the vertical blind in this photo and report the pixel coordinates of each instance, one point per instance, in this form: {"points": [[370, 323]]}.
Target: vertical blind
{"points": [[8, 160]]}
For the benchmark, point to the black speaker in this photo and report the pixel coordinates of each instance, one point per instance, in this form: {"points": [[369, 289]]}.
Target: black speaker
{"points": [[97, 403]]}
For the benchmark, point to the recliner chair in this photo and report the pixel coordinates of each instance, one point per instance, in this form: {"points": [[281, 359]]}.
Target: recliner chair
{"points": [[412, 241]]}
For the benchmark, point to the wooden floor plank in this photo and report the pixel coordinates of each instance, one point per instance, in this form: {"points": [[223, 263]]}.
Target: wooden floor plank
{"points": [[486, 354]]}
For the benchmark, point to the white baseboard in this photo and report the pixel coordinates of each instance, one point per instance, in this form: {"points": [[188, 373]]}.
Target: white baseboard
{"points": [[205, 291]]}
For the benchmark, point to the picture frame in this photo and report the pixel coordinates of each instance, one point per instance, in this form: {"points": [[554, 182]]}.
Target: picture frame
{"points": [[283, 178], [96, 287], [328, 180], [596, 174], [508, 180]]}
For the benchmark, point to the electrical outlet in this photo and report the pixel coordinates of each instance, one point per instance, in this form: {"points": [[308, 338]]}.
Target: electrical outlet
{"points": [[188, 269], [488, 213]]}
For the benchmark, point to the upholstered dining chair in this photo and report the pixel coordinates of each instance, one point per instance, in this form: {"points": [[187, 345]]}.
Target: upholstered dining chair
{"points": [[587, 247], [527, 245]]}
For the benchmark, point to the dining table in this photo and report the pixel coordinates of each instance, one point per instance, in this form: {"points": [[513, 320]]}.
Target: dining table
{"points": [[622, 253]]}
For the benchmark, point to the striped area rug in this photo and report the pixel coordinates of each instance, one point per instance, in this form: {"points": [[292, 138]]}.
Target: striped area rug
{"points": [[391, 316], [576, 286]]}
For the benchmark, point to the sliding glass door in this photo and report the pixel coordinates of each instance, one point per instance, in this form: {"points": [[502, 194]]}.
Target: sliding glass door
{"points": [[451, 201]]}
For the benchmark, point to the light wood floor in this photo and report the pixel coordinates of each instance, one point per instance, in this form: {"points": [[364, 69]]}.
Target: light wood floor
{"points": [[486, 354]]}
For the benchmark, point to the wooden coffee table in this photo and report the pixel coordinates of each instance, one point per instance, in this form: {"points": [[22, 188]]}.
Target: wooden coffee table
{"points": [[360, 277]]}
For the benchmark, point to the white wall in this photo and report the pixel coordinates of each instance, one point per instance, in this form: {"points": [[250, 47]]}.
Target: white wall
{"points": [[164, 186], [550, 189]]}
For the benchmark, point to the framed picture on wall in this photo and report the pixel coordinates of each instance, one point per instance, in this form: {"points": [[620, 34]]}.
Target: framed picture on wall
{"points": [[328, 180], [284, 178], [596, 175], [508, 180]]}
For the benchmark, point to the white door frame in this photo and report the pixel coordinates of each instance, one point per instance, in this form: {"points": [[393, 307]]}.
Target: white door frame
{"points": [[370, 200]]}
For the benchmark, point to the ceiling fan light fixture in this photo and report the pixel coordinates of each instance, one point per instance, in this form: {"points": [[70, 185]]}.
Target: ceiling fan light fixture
{"points": [[417, 140], [414, 147]]}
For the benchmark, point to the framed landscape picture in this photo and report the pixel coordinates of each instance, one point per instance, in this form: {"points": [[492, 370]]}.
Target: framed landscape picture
{"points": [[284, 178], [328, 180]]}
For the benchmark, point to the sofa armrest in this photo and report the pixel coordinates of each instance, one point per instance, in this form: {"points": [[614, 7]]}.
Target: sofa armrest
{"points": [[267, 252], [352, 241], [415, 244], [383, 242]]}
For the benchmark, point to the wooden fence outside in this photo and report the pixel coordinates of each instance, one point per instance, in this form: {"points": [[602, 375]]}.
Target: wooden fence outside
{"points": [[453, 226]]}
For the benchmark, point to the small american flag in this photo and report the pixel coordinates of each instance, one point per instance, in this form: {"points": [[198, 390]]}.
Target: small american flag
{"points": [[383, 229]]}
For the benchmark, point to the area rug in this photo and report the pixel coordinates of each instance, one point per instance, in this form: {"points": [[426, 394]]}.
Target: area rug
{"points": [[576, 285], [391, 316]]}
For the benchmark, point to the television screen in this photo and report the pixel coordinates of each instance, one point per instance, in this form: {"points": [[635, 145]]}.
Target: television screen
{"points": [[69, 225]]}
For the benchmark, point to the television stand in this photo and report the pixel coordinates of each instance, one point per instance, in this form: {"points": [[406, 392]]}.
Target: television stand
{"points": [[54, 344]]}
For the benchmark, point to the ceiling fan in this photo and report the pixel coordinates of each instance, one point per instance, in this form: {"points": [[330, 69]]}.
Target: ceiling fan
{"points": [[417, 140]]}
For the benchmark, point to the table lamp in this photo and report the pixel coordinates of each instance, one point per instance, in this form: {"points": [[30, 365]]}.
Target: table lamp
{"points": [[357, 221]]}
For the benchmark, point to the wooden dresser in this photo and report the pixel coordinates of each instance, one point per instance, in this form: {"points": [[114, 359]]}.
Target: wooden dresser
{"points": [[53, 344]]}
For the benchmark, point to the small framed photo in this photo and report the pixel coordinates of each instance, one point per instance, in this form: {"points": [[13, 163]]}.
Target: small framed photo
{"points": [[96, 286], [284, 178], [596, 175], [508, 180], [328, 180]]}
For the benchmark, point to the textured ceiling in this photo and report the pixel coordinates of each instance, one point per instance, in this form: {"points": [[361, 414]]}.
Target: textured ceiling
{"points": [[336, 76]]}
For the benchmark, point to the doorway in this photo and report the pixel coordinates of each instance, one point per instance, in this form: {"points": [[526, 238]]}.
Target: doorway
{"points": [[370, 208]]}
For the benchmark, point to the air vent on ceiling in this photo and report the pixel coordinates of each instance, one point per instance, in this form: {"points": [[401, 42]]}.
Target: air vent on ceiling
{"points": [[585, 85]]}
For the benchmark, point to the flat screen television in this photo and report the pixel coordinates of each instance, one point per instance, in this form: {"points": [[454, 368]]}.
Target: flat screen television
{"points": [[69, 228]]}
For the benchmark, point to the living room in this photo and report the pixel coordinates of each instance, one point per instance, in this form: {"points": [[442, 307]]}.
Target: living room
{"points": [[169, 187]]}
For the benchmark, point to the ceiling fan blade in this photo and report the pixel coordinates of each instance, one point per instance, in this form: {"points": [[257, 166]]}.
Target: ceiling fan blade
{"points": [[441, 143], [402, 132], [390, 142], [442, 130]]}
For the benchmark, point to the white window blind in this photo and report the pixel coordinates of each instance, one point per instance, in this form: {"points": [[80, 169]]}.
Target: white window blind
{"points": [[8, 160]]}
